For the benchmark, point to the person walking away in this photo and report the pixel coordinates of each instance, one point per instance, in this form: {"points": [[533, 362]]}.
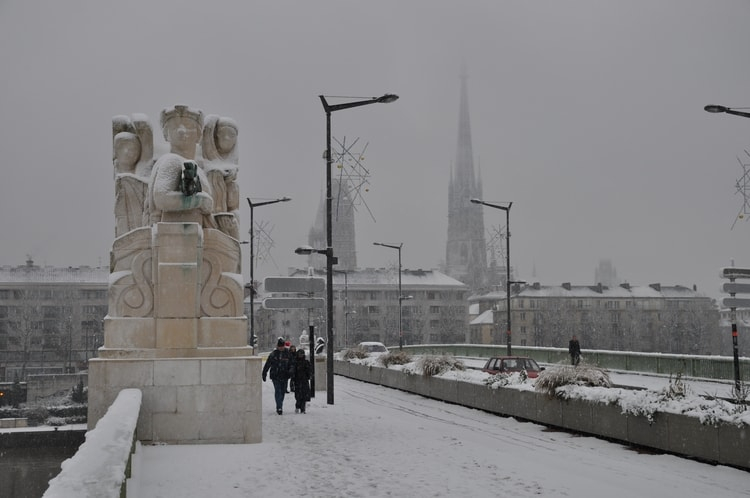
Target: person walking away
{"points": [[301, 373], [293, 356], [574, 349], [279, 363]]}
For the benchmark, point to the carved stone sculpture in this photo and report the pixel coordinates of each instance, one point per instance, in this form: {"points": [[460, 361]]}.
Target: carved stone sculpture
{"points": [[132, 151], [195, 182]]}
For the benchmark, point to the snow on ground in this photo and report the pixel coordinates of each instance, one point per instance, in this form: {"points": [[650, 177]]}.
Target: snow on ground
{"points": [[376, 441]]}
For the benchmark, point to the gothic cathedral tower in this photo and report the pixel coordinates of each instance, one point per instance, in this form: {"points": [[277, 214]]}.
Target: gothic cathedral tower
{"points": [[465, 252], [344, 240]]}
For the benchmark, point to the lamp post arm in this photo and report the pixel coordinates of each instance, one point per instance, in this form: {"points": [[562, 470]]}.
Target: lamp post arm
{"points": [[329, 108], [727, 110]]}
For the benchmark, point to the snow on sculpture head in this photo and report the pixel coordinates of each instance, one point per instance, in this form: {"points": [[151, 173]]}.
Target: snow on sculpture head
{"points": [[182, 128], [127, 149], [220, 139], [225, 135]]}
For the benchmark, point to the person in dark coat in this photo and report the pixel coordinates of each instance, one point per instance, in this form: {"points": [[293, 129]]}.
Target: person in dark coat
{"points": [[279, 363], [301, 373], [293, 356], [574, 349]]}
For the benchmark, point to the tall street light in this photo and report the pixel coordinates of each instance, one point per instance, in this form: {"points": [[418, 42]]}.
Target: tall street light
{"points": [[254, 205], [329, 108], [507, 258], [400, 295], [735, 346]]}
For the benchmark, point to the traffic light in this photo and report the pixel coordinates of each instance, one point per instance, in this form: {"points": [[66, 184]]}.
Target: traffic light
{"points": [[254, 341]]}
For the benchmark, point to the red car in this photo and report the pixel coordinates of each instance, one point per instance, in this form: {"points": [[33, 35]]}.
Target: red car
{"points": [[510, 364]]}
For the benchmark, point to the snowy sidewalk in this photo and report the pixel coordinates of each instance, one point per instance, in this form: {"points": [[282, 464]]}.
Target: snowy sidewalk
{"points": [[376, 441]]}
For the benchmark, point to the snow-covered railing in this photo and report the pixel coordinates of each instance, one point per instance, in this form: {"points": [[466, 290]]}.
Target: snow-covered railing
{"points": [[102, 463], [701, 366]]}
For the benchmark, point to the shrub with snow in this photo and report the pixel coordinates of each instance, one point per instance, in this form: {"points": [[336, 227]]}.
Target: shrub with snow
{"points": [[396, 357], [563, 375], [354, 353], [431, 365]]}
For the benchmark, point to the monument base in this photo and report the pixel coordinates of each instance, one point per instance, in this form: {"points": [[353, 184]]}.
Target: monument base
{"points": [[195, 400]]}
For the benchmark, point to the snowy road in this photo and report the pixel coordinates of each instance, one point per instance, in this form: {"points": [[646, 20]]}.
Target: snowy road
{"points": [[376, 441]]}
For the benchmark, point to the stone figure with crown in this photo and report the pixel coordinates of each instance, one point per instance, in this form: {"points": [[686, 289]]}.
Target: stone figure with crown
{"points": [[175, 288]]}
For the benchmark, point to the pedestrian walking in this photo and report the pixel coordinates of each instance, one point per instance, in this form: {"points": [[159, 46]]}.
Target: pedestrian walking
{"points": [[301, 373], [293, 356], [279, 363], [574, 349]]}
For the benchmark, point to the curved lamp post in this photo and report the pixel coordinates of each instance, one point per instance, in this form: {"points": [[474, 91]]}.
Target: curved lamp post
{"points": [[507, 259], [330, 259], [400, 296], [727, 110], [254, 205], [735, 347]]}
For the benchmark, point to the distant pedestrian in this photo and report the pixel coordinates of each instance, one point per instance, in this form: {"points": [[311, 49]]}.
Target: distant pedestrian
{"points": [[280, 364], [301, 373], [574, 349]]}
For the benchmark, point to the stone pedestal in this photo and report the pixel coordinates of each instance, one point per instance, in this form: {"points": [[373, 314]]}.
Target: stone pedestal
{"points": [[175, 330], [185, 400]]}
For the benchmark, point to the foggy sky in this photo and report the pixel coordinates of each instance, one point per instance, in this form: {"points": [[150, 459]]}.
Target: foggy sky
{"points": [[588, 115]]}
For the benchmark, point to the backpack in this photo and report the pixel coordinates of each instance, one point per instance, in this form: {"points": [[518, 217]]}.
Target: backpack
{"points": [[280, 367]]}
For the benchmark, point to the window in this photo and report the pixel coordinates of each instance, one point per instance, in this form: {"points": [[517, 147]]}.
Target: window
{"points": [[435, 310], [50, 312], [373, 310], [3, 312], [5, 294], [93, 294], [434, 324]]}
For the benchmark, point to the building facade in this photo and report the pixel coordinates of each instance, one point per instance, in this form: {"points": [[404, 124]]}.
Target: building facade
{"points": [[366, 308], [50, 318], [652, 318]]}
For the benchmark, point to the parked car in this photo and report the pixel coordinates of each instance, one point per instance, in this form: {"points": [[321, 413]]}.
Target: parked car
{"points": [[372, 347], [510, 364]]}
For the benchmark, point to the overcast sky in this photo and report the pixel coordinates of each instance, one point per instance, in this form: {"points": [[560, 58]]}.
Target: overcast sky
{"points": [[588, 115]]}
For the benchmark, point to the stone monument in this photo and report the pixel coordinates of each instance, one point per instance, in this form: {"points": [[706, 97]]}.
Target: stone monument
{"points": [[176, 327]]}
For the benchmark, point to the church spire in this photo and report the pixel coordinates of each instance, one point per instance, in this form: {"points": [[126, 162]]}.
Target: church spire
{"points": [[465, 254]]}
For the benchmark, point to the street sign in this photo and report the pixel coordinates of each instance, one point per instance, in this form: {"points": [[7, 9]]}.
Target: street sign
{"points": [[734, 272], [293, 302], [294, 284], [735, 288], [735, 302]]}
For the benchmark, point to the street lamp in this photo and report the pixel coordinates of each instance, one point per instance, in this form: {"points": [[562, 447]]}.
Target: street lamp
{"points": [[735, 347], [507, 258], [329, 108], [727, 110], [254, 205], [400, 296]]}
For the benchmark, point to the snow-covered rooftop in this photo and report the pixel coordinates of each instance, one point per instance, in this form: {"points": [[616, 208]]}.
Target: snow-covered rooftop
{"points": [[51, 274], [388, 276], [623, 291]]}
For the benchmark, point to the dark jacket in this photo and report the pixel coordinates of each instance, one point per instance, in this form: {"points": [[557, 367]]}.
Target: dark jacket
{"points": [[301, 374], [574, 347], [280, 365]]}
